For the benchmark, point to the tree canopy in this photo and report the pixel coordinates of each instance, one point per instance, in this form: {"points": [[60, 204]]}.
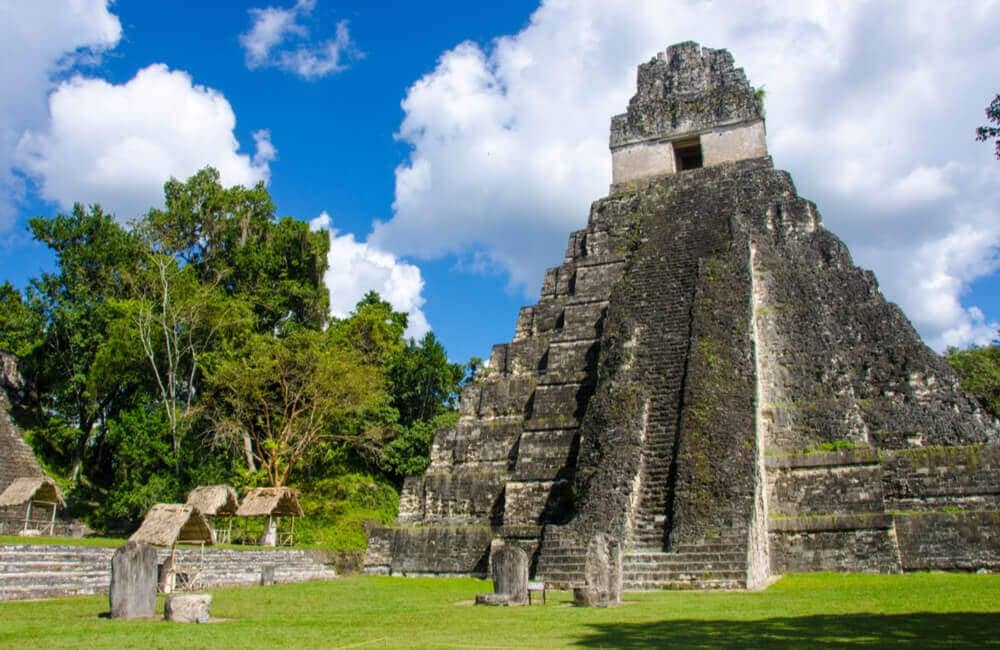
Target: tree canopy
{"points": [[979, 371], [985, 133], [195, 346]]}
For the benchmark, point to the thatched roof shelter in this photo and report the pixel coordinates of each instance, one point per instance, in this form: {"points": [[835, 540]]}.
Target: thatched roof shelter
{"points": [[214, 500], [34, 489], [167, 524], [278, 502]]}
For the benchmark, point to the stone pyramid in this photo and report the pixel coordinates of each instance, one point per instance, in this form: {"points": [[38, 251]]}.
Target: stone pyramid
{"points": [[708, 379]]}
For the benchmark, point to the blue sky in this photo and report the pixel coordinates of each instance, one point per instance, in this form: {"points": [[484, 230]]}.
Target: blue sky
{"points": [[452, 148]]}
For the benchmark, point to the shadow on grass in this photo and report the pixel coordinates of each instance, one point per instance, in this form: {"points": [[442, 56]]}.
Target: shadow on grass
{"points": [[862, 630]]}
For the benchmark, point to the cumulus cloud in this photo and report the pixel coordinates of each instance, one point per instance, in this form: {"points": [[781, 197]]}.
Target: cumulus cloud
{"points": [[46, 42], [278, 38], [117, 144], [870, 105], [355, 268]]}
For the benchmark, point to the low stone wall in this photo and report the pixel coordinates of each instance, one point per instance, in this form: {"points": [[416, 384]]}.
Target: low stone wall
{"points": [[428, 550], [33, 571], [833, 543], [967, 541], [931, 508]]}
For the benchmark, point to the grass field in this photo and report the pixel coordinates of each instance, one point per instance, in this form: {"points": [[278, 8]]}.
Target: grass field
{"points": [[800, 611]]}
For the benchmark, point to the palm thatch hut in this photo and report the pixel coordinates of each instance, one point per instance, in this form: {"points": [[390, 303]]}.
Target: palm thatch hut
{"points": [[33, 500], [218, 504], [170, 524], [280, 505]]}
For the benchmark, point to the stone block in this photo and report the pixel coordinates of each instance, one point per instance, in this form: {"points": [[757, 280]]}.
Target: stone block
{"points": [[441, 550], [378, 555], [133, 581], [188, 608], [510, 577], [266, 575], [963, 541], [603, 571]]}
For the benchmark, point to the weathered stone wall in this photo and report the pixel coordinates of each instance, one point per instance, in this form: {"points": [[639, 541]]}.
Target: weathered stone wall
{"points": [[738, 142], [686, 89], [852, 368], [844, 543], [936, 478], [948, 540], [642, 160], [891, 510], [653, 158], [508, 464]]}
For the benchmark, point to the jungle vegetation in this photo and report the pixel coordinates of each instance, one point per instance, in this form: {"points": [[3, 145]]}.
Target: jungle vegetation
{"points": [[195, 347]]}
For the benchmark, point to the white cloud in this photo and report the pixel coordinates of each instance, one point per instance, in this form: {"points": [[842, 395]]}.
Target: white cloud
{"points": [[279, 39], [355, 268], [41, 40], [117, 144], [871, 106]]}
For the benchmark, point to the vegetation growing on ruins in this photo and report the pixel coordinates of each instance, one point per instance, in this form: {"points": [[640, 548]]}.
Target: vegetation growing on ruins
{"points": [[979, 370], [815, 610], [195, 347]]}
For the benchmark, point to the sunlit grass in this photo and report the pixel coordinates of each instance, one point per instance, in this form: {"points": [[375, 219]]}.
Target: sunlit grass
{"points": [[814, 610]]}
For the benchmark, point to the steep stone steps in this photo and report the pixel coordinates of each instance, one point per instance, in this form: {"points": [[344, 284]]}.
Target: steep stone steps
{"points": [[724, 567]]}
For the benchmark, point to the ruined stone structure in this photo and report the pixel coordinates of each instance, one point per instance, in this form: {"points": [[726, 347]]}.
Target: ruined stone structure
{"points": [[708, 379], [16, 457]]}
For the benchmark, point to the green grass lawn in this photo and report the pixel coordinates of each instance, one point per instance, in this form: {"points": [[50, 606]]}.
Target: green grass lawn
{"points": [[807, 611]]}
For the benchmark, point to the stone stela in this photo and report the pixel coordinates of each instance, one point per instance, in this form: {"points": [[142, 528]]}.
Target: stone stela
{"points": [[708, 383]]}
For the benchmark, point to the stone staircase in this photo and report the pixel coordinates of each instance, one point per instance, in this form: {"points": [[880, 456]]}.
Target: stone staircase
{"points": [[562, 562], [29, 571], [720, 564]]}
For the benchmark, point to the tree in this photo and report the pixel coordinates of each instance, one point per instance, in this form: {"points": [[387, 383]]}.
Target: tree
{"points": [[94, 255], [20, 326], [422, 382], [984, 133], [373, 329], [287, 395], [979, 371], [231, 238], [178, 320]]}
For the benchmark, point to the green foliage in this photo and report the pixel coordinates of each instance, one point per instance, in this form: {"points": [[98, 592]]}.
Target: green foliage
{"points": [[979, 371], [94, 254], [373, 329], [280, 400], [422, 381], [836, 445], [20, 326], [337, 508], [164, 354], [230, 236], [984, 133], [144, 467], [408, 453]]}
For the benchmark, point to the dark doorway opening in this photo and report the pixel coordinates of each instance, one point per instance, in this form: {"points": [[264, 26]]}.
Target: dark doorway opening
{"points": [[687, 154]]}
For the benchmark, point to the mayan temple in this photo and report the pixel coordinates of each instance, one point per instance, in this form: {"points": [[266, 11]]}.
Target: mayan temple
{"points": [[708, 379]]}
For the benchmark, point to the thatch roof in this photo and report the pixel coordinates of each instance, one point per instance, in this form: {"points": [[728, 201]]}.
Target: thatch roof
{"points": [[280, 502], [23, 490], [168, 523], [214, 500]]}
